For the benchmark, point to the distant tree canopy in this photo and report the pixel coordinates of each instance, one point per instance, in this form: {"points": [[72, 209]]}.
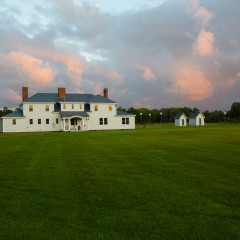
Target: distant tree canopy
{"points": [[5, 111], [235, 111], [155, 115], [168, 114]]}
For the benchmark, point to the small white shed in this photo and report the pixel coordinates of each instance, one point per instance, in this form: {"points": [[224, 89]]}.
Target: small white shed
{"points": [[196, 119], [180, 120]]}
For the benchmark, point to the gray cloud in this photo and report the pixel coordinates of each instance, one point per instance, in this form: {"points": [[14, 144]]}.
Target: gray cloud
{"points": [[156, 57]]}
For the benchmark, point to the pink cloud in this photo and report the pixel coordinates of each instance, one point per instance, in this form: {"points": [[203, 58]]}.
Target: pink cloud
{"points": [[234, 43], [147, 73], [75, 67], [11, 95], [32, 67], [192, 84], [109, 74], [204, 44], [201, 14], [232, 81], [97, 87]]}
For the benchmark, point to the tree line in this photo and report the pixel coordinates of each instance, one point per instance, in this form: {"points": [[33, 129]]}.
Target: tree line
{"points": [[5, 111], [166, 115]]}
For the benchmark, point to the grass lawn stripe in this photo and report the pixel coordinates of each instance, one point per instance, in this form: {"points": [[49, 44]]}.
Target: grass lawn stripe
{"points": [[152, 183]]}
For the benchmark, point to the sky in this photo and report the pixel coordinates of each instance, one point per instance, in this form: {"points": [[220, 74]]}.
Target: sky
{"points": [[153, 54]]}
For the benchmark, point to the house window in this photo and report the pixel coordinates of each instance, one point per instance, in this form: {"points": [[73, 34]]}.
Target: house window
{"points": [[14, 121], [47, 108], [56, 120], [125, 120], [39, 121], [80, 106], [47, 121], [72, 106], [110, 108], [30, 121], [64, 106], [103, 121], [30, 108], [95, 107]]}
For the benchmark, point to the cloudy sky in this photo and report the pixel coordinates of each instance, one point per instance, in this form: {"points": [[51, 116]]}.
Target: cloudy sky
{"points": [[149, 53]]}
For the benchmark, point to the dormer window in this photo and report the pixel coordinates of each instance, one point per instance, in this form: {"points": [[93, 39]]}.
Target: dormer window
{"points": [[72, 106], [64, 106], [80, 106], [95, 107]]}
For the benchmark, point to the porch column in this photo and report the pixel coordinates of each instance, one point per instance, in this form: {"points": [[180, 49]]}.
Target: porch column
{"points": [[83, 122], [63, 124], [68, 124], [82, 126]]}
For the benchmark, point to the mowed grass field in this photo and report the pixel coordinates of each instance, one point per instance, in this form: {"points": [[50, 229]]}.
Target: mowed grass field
{"points": [[158, 182]]}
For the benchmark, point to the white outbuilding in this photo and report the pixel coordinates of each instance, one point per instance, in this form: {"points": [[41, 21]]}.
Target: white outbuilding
{"points": [[196, 119], [180, 120]]}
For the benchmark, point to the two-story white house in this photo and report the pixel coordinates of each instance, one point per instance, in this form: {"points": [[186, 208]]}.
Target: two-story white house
{"points": [[66, 112]]}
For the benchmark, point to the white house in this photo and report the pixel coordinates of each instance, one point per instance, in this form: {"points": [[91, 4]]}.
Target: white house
{"points": [[66, 112], [196, 119], [180, 119]]}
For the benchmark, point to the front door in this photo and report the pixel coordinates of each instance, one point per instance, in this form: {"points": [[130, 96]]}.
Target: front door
{"points": [[183, 122], [200, 121], [73, 123]]}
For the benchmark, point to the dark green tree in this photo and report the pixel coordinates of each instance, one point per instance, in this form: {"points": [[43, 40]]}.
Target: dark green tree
{"points": [[5, 111], [235, 110]]}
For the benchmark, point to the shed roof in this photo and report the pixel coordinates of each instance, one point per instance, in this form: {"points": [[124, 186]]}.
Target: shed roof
{"points": [[179, 115], [195, 114]]}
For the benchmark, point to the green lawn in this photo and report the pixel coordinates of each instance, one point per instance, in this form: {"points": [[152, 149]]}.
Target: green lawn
{"points": [[158, 182]]}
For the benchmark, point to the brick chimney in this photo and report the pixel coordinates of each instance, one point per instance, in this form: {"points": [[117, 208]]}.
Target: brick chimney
{"points": [[24, 93], [105, 92], [61, 92]]}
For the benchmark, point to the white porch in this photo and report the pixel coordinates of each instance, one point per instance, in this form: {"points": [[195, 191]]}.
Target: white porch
{"points": [[74, 124]]}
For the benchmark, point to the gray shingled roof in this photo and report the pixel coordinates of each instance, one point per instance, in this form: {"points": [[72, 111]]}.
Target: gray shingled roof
{"points": [[71, 114], [100, 99], [194, 115], [70, 97], [18, 113], [121, 113], [179, 115], [53, 97]]}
